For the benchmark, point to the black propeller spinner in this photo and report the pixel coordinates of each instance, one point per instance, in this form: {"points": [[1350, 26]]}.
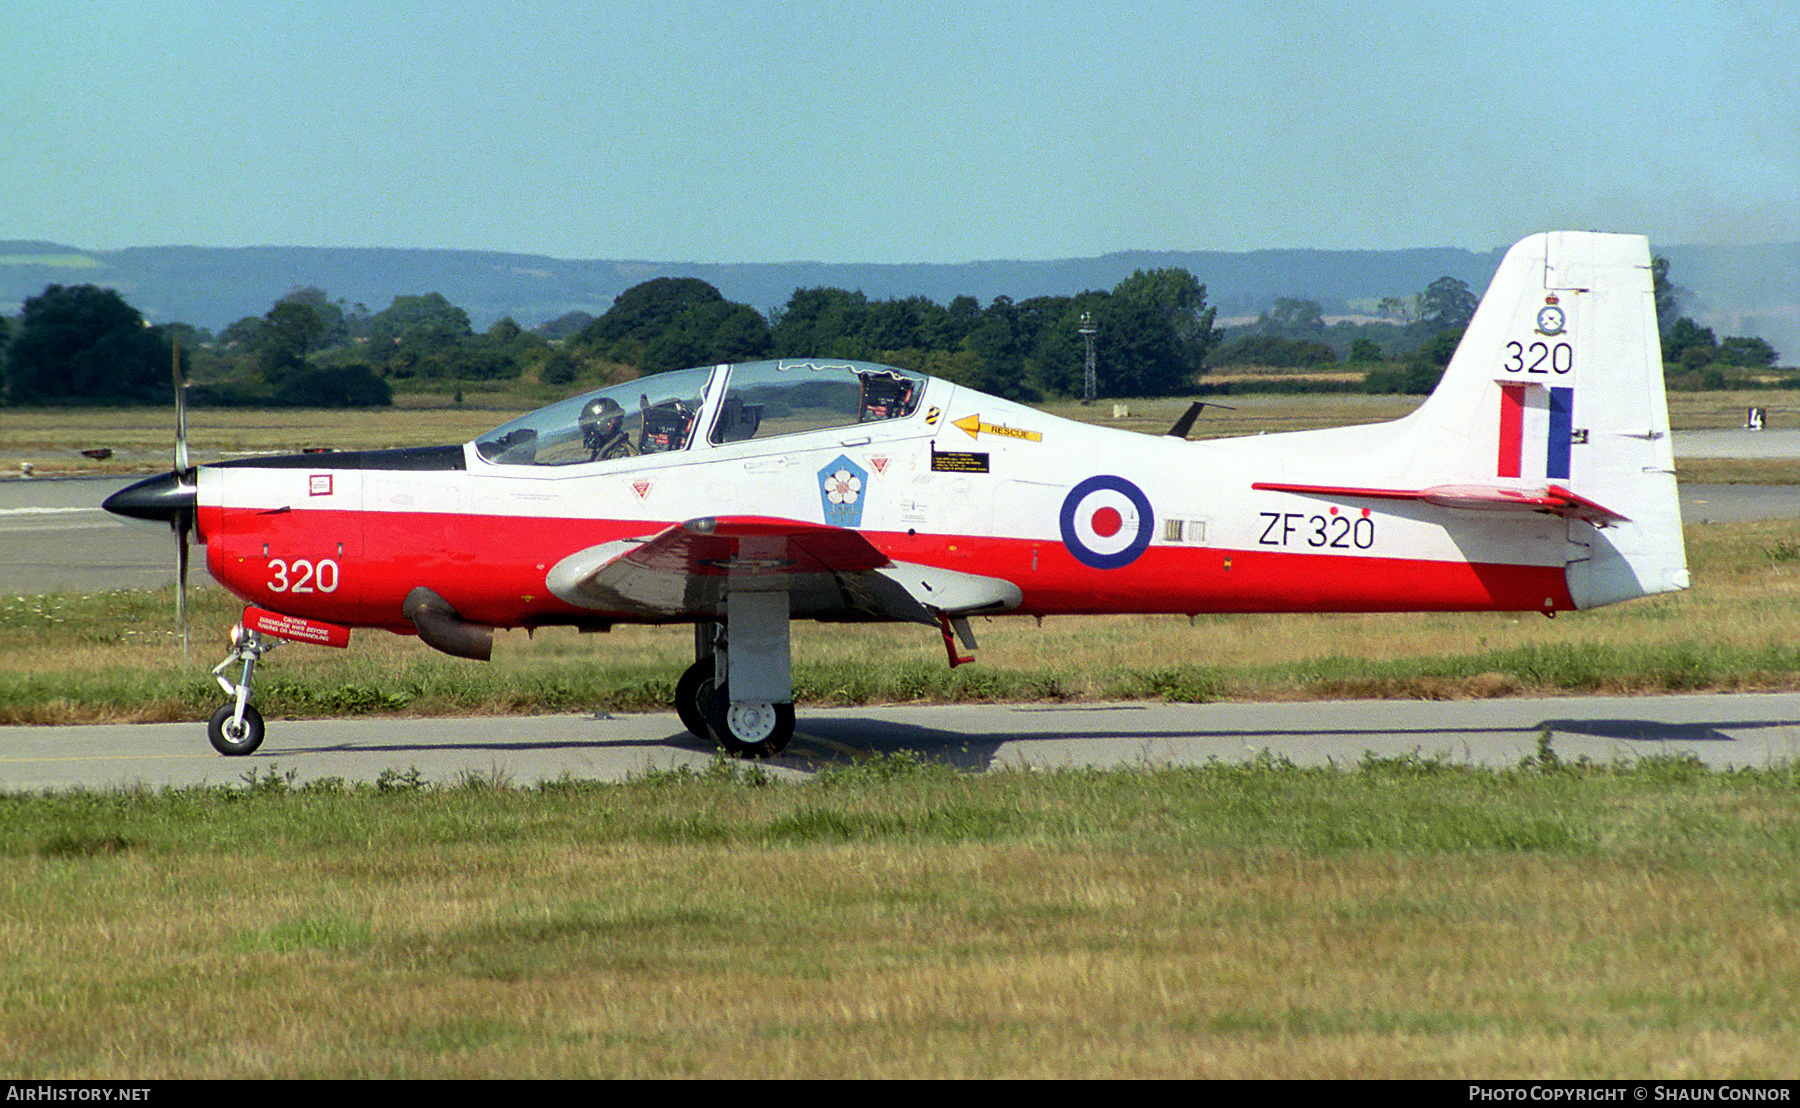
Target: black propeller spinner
{"points": [[168, 498]]}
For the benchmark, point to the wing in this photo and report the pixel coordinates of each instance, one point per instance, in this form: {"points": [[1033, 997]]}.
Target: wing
{"points": [[686, 569]]}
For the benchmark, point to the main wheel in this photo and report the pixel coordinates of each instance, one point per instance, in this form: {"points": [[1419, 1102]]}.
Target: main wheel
{"points": [[749, 730], [692, 694], [229, 738]]}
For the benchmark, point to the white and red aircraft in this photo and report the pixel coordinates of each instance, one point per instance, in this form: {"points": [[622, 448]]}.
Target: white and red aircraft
{"points": [[1537, 477]]}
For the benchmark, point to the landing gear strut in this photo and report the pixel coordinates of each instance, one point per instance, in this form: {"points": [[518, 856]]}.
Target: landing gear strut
{"points": [[237, 728], [755, 719]]}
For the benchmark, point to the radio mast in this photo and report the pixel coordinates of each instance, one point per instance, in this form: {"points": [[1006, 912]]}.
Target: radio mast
{"points": [[1087, 331]]}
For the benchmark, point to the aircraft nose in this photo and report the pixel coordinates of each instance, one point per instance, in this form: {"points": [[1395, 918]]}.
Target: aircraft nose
{"points": [[161, 498]]}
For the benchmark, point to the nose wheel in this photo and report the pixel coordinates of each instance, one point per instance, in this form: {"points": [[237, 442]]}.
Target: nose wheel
{"points": [[234, 731]]}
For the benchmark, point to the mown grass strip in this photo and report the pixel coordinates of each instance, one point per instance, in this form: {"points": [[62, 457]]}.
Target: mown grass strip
{"points": [[1409, 803], [434, 688], [425, 685], [898, 917]]}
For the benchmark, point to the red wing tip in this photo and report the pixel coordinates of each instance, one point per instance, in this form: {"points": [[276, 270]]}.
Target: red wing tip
{"points": [[1587, 506]]}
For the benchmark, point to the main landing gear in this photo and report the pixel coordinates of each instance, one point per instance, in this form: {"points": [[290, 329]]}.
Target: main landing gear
{"points": [[739, 692], [237, 727]]}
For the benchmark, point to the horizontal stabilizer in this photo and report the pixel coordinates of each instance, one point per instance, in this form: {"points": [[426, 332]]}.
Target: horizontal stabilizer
{"points": [[1553, 499]]}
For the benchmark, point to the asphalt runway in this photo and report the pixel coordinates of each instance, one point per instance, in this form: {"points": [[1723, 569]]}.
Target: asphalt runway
{"points": [[1722, 730], [1737, 443], [55, 538]]}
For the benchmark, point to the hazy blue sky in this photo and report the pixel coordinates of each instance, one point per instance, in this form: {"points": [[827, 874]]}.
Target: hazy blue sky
{"points": [[895, 132]]}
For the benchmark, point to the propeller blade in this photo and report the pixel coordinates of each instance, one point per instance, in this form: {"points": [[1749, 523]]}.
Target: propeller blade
{"points": [[170, 498], [184, 517], [183, 524], [181, 449]]}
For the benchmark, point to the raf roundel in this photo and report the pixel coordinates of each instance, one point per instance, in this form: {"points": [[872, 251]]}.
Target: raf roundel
{"points": [[1106, 522]]}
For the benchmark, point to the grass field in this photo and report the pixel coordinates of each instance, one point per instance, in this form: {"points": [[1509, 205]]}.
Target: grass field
{"points": [[1401, 918]]}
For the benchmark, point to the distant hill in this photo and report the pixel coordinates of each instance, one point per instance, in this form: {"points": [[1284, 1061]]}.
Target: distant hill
{"points": [[1737, 289]]}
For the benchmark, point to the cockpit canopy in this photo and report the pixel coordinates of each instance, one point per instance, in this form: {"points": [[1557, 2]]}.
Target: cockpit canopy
{"points": [[714, 406]]}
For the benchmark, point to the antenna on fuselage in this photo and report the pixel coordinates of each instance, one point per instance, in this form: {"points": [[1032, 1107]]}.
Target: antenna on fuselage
{"points": [[1186, 422]]}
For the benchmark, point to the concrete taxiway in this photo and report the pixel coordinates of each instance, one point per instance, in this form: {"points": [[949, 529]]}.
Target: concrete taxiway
{"points": [[1721, 730], [55, 538]]}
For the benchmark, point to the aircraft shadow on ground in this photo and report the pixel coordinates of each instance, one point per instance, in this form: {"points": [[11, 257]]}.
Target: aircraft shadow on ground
{"points": [[820, 743], [817, 745], [1655, 731], [863, 737]]}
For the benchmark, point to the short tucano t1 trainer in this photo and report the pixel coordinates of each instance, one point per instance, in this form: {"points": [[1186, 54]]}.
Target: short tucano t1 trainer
{"points": [[1537, 477]]}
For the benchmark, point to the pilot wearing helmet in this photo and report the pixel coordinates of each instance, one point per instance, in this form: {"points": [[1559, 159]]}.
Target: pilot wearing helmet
{"points": [[603, 429]]}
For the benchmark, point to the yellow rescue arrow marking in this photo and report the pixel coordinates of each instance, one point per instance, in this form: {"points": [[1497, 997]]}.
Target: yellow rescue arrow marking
{"points": [[974, 426]]}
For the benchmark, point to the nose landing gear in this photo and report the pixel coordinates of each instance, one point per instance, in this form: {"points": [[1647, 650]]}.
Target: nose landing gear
{"points": [[237, 727]]}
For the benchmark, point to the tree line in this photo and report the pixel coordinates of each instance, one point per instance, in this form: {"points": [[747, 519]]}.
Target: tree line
{"points": [[84, 344], [1155, 335]]}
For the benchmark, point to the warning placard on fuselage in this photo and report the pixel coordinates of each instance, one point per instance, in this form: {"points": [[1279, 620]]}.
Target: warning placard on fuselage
{"points": [[959, 461]]}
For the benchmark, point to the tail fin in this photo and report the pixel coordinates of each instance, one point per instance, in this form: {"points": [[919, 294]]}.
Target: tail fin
{"points": [[1557, 387], [1554, 403]]}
